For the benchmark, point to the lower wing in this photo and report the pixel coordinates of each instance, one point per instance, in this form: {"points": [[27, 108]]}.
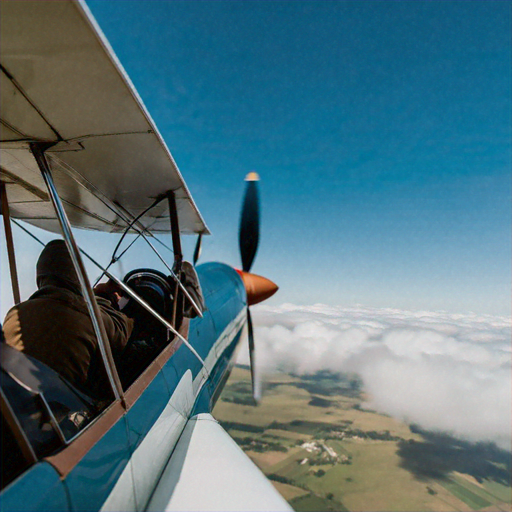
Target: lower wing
{"points": [[209, 472]]}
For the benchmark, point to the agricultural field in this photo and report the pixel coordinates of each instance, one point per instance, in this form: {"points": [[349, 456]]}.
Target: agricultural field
{"points": [[323, 451]]}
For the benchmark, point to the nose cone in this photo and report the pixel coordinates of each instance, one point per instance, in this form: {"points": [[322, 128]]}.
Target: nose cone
{"points": [[258, 288]]}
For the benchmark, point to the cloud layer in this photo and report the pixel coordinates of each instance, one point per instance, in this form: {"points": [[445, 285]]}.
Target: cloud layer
{"points": [[443, 371]]}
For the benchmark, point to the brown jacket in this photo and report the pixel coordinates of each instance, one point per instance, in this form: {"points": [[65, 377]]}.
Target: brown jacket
{"points": [[54, 326]]}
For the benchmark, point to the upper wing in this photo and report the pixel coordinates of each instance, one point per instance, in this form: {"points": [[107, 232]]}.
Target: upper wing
{"points": [[61, 83], [208, 471]]}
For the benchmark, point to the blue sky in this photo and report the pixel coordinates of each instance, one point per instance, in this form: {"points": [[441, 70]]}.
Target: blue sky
{"points": [[381, 131]]}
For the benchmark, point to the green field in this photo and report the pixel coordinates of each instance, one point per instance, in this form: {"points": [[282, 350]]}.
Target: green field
{"points": [[356, 459], [499, 491], [462, 492], [314, 503]]}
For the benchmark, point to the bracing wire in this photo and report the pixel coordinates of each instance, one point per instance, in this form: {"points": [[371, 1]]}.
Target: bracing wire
{"points": [[117, 259], [128, 290], [155, 202], [140, 232]]}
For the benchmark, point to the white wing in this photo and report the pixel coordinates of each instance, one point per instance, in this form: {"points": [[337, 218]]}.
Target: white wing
{"points": [[209, 472], [61, 83]]}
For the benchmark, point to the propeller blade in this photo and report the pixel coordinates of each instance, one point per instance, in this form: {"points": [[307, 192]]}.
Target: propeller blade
{"points": [[197, 250], [249, 231], [252, 359]]}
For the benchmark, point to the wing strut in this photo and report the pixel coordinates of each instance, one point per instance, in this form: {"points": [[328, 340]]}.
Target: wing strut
{"points": [[175, 227], [176, 245], [88, 294], [10, 245]]}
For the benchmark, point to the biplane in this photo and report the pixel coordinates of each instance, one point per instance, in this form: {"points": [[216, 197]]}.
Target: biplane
{"points": [[80, 151]]}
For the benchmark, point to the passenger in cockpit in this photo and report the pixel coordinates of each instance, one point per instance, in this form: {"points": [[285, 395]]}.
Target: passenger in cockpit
{"points": [[54, 325]]}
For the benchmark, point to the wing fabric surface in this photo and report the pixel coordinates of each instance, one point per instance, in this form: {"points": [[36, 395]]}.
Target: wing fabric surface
{"points": [[209, 472], [61, 83]]}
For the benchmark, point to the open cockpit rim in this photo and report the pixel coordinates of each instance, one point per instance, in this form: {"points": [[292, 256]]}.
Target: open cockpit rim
{"points": [[69, 456]]}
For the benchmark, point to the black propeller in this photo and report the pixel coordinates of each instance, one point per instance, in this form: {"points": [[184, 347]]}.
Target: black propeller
{"points": [[197, 250], [249, 232], [252, 355], [248, 238], [258, 288]]}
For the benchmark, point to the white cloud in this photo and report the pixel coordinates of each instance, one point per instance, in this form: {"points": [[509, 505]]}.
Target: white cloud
{"points": [[443, 371]]}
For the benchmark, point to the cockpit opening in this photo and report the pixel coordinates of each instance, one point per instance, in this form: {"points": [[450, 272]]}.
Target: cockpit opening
{"points": [[149, 335]]}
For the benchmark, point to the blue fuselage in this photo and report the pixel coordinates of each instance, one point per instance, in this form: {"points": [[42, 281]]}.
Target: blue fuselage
{"points": [[123, 466]]}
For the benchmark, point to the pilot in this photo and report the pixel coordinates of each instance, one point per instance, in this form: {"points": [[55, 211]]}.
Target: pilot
{"points": [[55, 327]]}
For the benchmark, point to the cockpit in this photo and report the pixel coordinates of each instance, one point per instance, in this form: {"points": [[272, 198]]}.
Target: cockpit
{"points": [[149, 334], [42, 412]]}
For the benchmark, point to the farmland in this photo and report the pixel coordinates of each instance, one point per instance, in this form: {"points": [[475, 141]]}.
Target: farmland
{"points": [[323, 450]]}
